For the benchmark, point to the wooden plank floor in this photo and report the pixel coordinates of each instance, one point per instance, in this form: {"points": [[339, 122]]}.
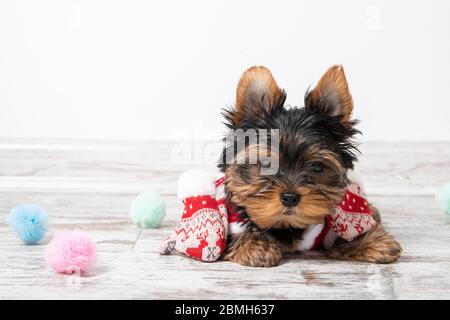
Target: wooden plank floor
{"points": [[89, 185]]}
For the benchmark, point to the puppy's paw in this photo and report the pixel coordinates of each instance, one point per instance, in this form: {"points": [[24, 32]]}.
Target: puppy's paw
{"points": [[376, 246], [254, 249]]}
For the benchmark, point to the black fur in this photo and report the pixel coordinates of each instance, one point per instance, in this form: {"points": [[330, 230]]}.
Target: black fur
{"points": [[300, 129]]}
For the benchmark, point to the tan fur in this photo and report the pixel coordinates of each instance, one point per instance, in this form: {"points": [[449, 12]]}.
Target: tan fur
{"points": [[256, 86], [375, 246], [254, 249], [375, 213], [266, 209], [333, 83]]}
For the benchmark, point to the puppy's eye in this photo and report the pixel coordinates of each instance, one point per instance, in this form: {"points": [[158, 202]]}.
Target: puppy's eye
{"points": [[265, 163], [317, 167]]}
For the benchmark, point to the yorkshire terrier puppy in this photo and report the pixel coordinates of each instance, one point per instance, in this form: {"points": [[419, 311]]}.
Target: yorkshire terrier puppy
{"points": [[315, 152]]}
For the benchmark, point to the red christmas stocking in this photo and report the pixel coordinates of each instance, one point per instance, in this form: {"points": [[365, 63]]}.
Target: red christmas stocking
{"points": [[202, 232]]}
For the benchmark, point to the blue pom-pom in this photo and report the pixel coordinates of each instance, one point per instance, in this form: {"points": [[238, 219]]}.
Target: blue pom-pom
{"points": [[29, 222]]}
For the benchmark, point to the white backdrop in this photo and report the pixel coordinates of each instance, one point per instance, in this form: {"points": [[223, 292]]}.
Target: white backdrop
{"points": [[161, 69]]}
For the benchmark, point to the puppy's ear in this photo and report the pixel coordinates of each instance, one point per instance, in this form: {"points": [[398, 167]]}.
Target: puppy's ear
{"points": [[331, 95], [257, 91]]}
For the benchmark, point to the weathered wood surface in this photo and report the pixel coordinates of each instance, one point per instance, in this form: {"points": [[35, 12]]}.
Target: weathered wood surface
{"points": [[89, 185]]}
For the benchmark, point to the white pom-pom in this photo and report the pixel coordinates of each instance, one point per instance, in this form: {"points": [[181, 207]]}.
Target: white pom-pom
{"points": [[352, 175], [196, 182]]}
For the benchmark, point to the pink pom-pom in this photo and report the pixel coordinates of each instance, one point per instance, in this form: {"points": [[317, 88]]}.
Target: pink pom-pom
{"points": [[71, 252]]}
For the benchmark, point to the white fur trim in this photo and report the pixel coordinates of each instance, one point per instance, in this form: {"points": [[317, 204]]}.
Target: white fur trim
{"points": [[196, 182], [220, 189], [220, 192], [236, 227], [219, 175], [309, 237], [353, 176]]}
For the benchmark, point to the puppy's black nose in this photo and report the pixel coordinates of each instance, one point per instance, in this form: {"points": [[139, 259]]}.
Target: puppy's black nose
{"points": [[290, 199]]}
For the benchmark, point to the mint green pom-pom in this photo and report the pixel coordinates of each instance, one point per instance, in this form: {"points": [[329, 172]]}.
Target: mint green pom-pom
{"points": [[443, 198], [147, 210]]}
